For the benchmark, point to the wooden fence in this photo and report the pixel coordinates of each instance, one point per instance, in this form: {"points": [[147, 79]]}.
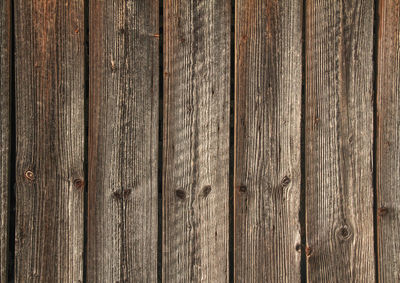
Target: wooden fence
{"points": [[189, 140]]}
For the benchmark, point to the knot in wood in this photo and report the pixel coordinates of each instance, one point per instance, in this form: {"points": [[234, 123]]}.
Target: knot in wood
{"points": [[344, 233], [122, 194], [79, 183], [285, 181], [382, 211], [180, 194], [242, 189], [206, 191], [29, 175]]}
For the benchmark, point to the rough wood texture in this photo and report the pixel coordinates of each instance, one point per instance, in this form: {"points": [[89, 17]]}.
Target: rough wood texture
{"points": [[123, 141], [4, 133], [388, 142], [338, 139], [50, 140], [267, 141], [196, 140]]}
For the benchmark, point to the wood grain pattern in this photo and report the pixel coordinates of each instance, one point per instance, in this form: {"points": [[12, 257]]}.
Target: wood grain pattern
{"points": [[5, 36], [388, 141], [196, 140], [123, 141], [268, 73], [49, 140], [338, 139]]}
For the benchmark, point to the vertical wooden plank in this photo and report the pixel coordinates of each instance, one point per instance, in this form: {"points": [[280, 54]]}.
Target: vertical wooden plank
{"points": [[267, 169], [388, 141], [123, 141], [338, 139], [5, 54], [196, 140], [49, 140]]}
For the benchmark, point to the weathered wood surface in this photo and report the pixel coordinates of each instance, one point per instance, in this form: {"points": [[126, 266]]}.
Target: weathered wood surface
{"points": [[268, 74], [196, 140], [103, 108], [388, 142], [123, 141], [338, 140], [5, 122], [50, 137]]}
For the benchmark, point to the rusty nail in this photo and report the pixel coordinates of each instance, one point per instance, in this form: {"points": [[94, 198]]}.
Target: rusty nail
{"points": [[29, 175]]}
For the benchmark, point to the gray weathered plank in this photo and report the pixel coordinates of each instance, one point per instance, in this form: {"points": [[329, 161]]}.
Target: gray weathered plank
{"points": [[388, 142], [338, 141], [123, 141], [49, 140], [196, 140], [5, 53], [267, 169]]}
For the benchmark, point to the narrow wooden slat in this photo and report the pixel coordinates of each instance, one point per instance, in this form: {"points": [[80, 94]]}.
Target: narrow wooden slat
{"points": [[50, 140], [388, 141], [196, 140], [4, 133], [267, 245], [338, 140], [123, 141]]}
